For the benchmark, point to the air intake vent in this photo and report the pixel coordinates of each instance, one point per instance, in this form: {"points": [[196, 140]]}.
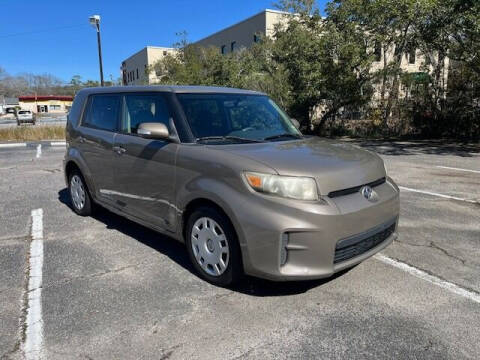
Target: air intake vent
{"points": [[359, 244]]}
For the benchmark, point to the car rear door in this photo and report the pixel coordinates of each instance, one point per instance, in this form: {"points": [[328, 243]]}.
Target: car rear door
{"points": [[144, 175], [95, 140]]}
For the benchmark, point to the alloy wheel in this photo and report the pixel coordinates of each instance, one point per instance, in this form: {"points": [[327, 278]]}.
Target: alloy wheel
{"points": [[77, 192]]}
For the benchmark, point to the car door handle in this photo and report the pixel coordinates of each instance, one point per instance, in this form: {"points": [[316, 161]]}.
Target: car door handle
{"points": [[119, 150]]}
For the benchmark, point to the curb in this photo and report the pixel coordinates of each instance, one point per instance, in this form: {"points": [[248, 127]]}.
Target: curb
{"points": [[32, 144]]}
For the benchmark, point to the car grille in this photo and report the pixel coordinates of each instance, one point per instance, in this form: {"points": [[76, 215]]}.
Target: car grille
{"points": [[355, 189], [359, 244]]}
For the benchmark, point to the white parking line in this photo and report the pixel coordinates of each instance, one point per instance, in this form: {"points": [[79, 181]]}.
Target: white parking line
{"points": [[471, 295], [39, 150], [58, 143], [32, 346], [438, 195], [458, 169], [13, 145]]}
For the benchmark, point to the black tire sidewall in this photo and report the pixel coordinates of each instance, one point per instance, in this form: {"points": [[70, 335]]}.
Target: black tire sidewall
{"points": [[87, 208], [234, 270]]}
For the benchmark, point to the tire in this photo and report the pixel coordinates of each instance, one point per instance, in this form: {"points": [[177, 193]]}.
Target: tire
{"points": [[217, 244], [79, 195]]}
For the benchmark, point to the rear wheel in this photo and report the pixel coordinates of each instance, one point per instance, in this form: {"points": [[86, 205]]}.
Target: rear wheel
{"points": [[213, 247], [81, 201]]}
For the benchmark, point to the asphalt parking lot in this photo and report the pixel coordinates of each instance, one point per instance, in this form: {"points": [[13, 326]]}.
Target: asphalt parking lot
{"points": [[112, 289]]}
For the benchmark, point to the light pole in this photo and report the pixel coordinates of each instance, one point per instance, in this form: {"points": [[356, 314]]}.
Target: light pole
{"points": [[95, 22]]}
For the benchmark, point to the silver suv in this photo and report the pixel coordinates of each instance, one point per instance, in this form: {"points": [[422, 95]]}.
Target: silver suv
{"points": [[228, 173]]}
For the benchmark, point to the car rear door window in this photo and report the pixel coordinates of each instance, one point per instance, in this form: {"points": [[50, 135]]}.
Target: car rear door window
{"points": [[103, 111], [144, 108]]}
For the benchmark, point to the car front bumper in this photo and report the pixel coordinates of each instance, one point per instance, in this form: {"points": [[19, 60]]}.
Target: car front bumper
{"points": [[315, 231]]}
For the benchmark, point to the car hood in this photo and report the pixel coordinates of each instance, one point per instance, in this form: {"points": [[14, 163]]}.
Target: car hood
{"points": [[335, 165]]}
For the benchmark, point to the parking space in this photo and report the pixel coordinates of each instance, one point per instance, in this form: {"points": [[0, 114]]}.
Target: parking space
{"points": [[113, 289]]}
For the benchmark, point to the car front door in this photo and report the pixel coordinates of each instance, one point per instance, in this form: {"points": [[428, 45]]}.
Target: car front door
{"points": [[95, 140], [145, 168]]}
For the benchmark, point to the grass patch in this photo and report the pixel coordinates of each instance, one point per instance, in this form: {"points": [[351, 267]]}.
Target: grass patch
{"points": [[33, 133]]}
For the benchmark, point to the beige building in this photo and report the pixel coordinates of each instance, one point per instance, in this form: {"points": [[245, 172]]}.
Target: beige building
{"points": [[135, 69], [413, 62], [46, 103], [246, 32]]}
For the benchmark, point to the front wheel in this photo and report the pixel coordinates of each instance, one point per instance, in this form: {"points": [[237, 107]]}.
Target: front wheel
{"points": [[213, 247], [81, 201]]}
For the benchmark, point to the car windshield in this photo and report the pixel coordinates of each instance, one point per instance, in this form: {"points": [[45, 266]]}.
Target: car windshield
{"points": [[235, 117]]}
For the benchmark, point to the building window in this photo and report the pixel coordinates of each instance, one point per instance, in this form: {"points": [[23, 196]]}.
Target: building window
{"points": [[232, 46], [223, 49], [164, 53], [256, 38], [412, 55], [378, 51], [137, 73], [54, 107]]}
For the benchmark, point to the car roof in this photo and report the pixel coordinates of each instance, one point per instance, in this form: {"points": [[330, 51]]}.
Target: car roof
{"points": [[169, 88]]}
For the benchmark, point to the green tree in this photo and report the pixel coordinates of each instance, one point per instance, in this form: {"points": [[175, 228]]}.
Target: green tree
{"points": [[326, 63]]}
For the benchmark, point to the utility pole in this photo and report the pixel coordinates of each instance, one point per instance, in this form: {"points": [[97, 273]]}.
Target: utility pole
{"points": [[95, 22]]}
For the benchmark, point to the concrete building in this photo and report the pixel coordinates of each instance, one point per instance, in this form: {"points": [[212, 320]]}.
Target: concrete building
{"points": [[246, 32], [136, 69], [46, 103]]}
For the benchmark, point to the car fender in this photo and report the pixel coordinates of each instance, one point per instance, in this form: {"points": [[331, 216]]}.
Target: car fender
{"points": [[73, 155], [218, 192]]}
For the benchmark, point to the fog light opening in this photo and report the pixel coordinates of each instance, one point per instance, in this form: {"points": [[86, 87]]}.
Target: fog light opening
{"points": [[283, 249]]}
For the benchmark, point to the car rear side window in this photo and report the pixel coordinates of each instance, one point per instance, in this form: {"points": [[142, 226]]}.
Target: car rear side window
{"points": [[144, 108], [102, 112]]}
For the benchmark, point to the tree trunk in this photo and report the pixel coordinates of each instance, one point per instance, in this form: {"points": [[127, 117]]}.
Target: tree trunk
{"points": [[384, 79], [393, 95]]}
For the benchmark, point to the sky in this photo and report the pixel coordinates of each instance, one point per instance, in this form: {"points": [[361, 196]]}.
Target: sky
{"points": [[52, 36]]}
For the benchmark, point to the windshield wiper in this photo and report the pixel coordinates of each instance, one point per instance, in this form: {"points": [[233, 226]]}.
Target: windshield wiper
{"points": [[225, 138], [284, 135]]}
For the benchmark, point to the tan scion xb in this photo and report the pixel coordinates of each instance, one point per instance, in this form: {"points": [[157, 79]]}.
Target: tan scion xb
{"points": [[228, 173]]}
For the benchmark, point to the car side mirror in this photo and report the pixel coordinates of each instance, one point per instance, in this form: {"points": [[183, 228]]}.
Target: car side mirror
{"points": [[153, 131], [296, 123]]}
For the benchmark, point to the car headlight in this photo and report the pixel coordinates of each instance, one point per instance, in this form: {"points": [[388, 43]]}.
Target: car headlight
{"points": [[293, 187]]}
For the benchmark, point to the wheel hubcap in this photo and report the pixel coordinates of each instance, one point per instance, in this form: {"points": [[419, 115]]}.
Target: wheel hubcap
{"points": [[77, 192], [210, 246]]}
